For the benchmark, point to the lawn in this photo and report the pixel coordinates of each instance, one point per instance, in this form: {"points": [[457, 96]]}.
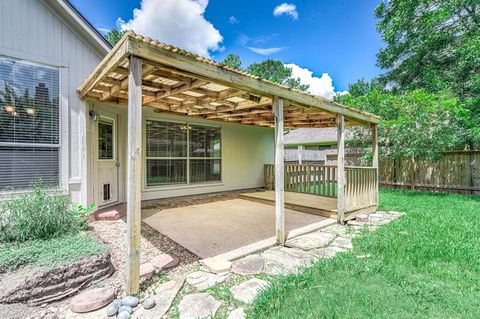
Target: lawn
{"points": [[424, 265]]}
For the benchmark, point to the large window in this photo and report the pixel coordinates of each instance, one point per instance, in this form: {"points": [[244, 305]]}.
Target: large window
{"points": [[29, 124], [182, 153]]}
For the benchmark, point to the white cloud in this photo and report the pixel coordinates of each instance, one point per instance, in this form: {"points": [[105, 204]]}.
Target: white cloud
{"points": [[318, 85], [233, 20], [178, 22], [286, 8], [266, 51]]}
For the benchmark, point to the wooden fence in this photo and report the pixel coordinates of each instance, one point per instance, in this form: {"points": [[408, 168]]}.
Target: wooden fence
{"points": [[455, 172]]}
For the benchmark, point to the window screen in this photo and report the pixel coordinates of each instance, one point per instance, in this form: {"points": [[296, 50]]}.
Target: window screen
{"points": [[29, 124]]}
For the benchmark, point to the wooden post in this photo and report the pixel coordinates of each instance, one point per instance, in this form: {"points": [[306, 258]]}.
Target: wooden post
{"points": [[279, 173], [134, 174], [299, 153], [375, 158], [341, 200]]}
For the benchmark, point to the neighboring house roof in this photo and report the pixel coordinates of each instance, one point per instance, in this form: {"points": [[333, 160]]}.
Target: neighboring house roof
{"points": [[304, 136], [81, 24]]}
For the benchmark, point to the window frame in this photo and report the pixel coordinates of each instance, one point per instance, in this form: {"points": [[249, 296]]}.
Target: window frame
{"points": [[63, 150], [187, 158]]}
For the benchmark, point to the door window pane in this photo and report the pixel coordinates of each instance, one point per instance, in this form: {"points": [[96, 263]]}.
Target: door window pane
{"points": [[204, 141], [105, 140], [166, 139], [205, 170], [166, 171]]}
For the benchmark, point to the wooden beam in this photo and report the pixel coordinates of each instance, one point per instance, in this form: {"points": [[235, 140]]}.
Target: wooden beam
{"points": [[192, 67], [375, 158], [182, 88], [279, 174], [134, 174], [124, 83], [341, 200]]}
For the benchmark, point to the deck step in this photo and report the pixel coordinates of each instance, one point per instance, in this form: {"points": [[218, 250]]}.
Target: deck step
{"points": [[111, 213]]}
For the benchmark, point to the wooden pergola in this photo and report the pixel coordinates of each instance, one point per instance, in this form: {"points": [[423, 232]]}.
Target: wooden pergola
{"points": [[141, 72]]}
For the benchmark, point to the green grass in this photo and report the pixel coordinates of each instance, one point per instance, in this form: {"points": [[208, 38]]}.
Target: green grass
{"points": [[424, 265], [50, 252]]}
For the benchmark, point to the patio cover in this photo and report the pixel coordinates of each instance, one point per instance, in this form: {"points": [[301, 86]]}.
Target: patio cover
{"points": [[179, 82]]}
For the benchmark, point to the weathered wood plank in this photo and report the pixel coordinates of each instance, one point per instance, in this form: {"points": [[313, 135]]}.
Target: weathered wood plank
{"points": [[279, 173]]}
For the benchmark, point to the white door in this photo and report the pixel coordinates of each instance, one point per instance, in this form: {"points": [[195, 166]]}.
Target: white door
{"points": [[107, 161]]}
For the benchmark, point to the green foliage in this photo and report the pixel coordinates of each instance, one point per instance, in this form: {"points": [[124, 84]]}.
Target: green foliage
{"points": [[433, 45], [414, 124], [48, 253], [276, 71], [424, 265], [272, 70], [233, 61], [113, 36], [40, 215]]}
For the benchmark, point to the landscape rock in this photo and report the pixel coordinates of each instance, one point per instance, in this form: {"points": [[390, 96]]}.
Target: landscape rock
{"points": [[248, 290], [311, 240], [130, 301], [149, 303], [41, 286], [203, 280], [125, 309], [165, 293], [124, 315], [198, 306], [164, 261], [327, 252], [216, 265], [69, 314], [92, 299], [147, 270], [362, 218], [342, 242], [112, 309], [292, 259], [250, 265], [274, 269], [238, 313]]}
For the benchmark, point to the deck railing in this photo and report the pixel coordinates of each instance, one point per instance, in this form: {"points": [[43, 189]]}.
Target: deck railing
{"points": [[360, 187], [305, 178]]}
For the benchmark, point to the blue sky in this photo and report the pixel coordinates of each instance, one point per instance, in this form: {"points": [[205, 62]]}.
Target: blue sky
{"points": [[337, 37]]}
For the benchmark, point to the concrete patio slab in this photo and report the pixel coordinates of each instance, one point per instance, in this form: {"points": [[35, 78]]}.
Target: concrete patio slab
{"points": [[214, 228]]}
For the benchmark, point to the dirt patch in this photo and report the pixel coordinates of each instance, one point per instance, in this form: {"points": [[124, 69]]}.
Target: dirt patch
{"points": [[37, 286]]}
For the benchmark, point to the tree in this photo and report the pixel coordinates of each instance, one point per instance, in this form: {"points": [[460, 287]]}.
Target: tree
{"points": [[113, 36], [433, 45], [415, 124], [233, 61], [276, 71]]}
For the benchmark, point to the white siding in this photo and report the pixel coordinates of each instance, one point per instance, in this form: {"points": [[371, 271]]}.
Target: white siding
{"points": [[30, 30], [245, 149]]}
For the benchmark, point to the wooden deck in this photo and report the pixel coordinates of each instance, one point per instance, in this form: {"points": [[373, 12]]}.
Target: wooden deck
{"points": [[306, 203]]}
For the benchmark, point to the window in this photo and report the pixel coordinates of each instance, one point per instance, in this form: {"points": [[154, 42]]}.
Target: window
{"points": [[105, 139], [29, 124], [181, 153]]}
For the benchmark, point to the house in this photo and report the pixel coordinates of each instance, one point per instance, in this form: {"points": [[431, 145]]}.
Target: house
{"points": [[146, 120], [317, 146]]}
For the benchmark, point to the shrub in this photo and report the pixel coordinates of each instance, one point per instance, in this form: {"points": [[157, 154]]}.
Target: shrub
{"points": [[40, 215]]}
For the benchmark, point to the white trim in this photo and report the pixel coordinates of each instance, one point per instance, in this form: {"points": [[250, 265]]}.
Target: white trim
{"points": [[64, 129], [33, 58]]}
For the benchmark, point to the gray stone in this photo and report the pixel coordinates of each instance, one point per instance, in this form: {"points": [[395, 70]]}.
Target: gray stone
{"points": [[311, 240], [361, 218], [336, 229], [216, 265], [273, 268], [291, 259], [250, 265], [328, 252], [112, 309], [149, 303], [124, 315], [238, 313], [117, 302], [125, 308], [203, 280], [248, 290], [342, 242], [130, 301], [198, 306], [165, 293]]}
